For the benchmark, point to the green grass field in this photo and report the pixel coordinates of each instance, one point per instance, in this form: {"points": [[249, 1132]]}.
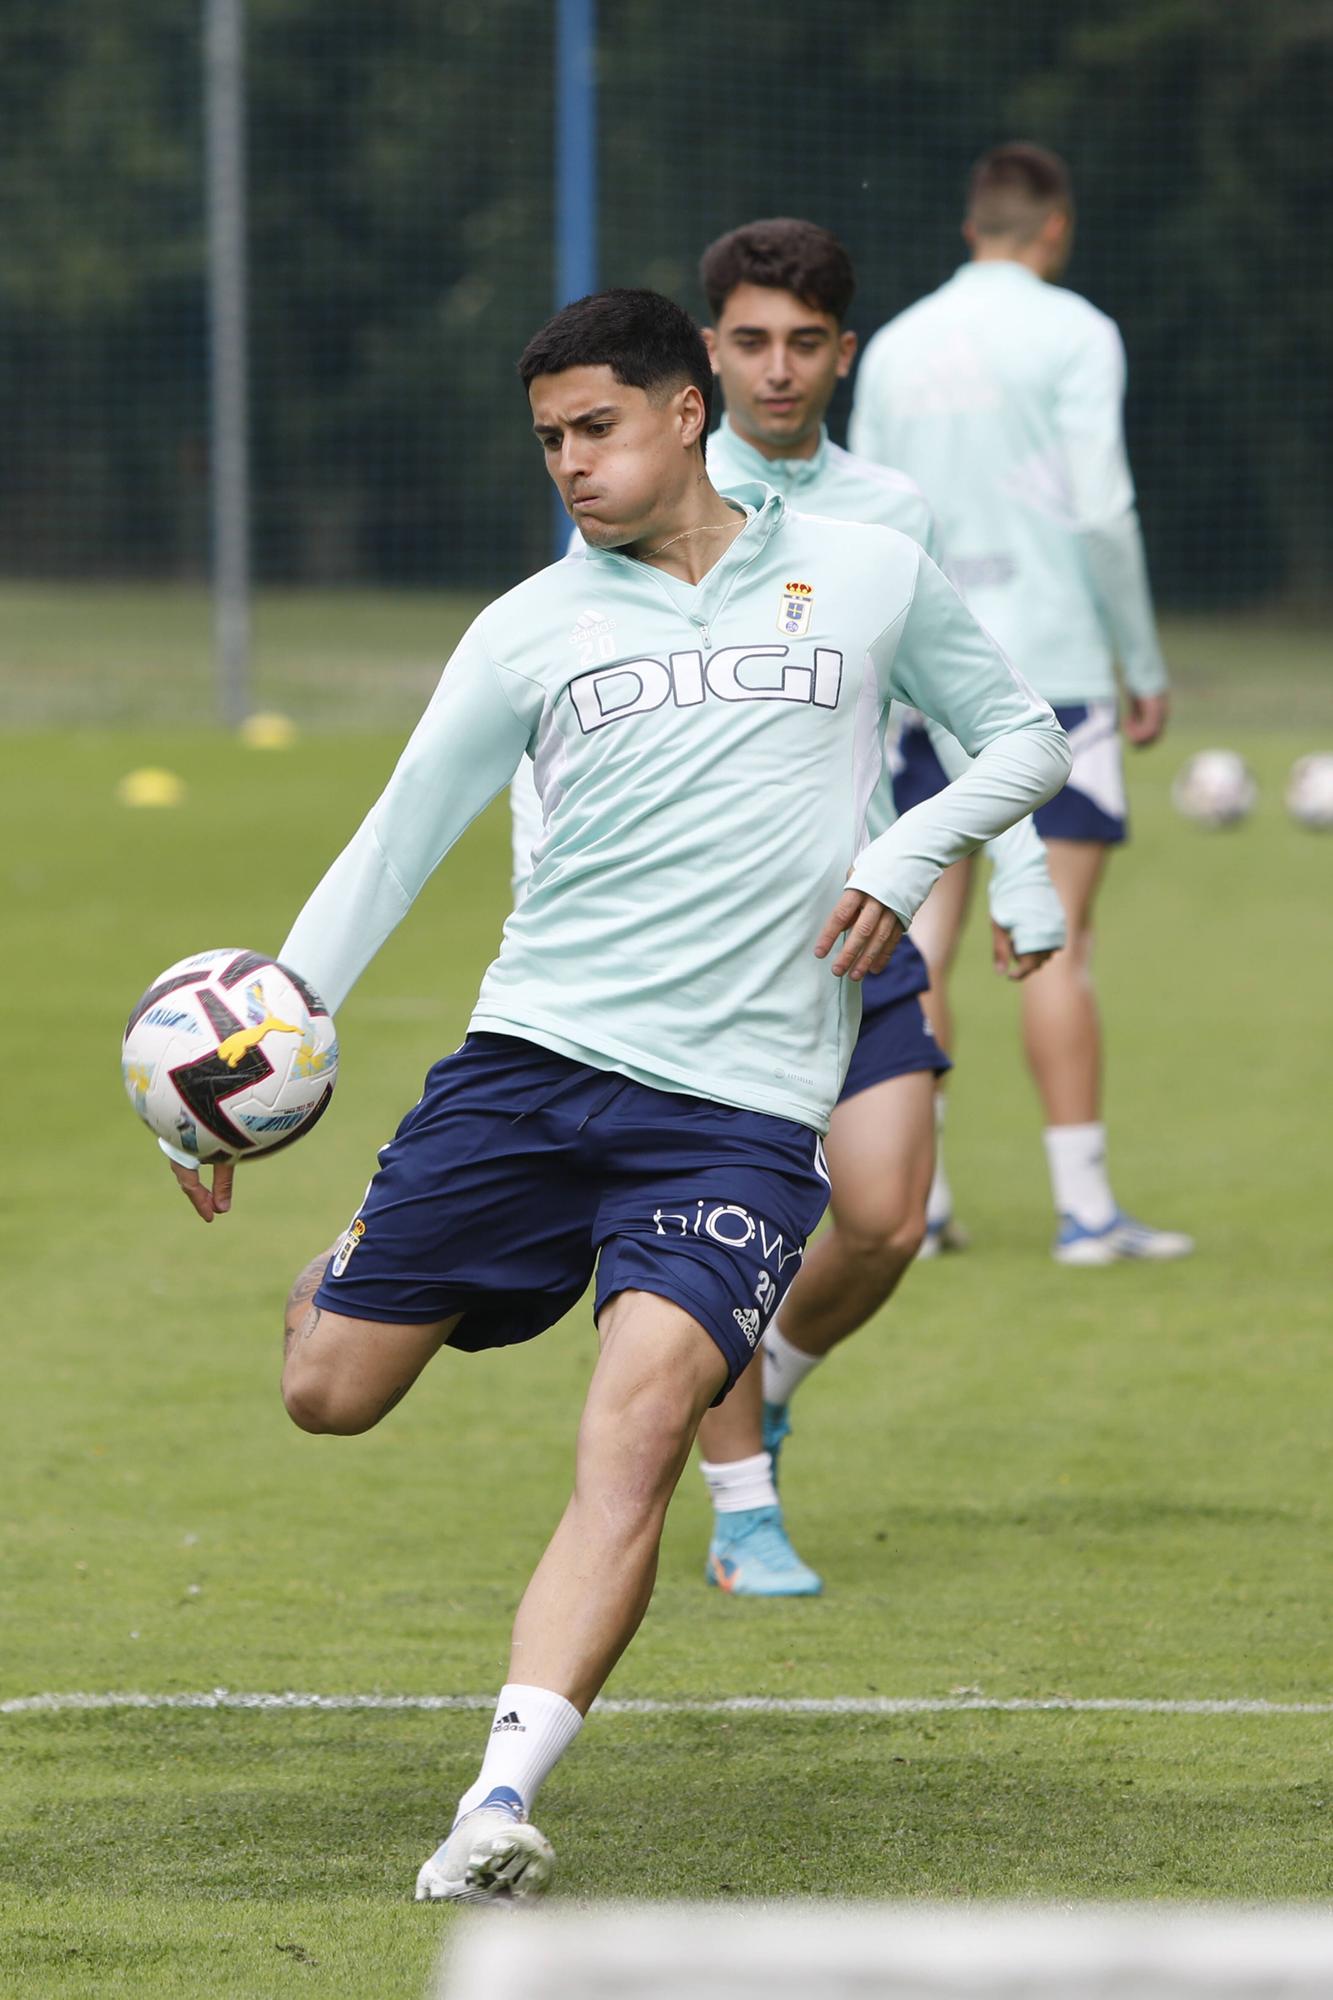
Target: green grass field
{"points": [[74, 656], [1022, 1480]]}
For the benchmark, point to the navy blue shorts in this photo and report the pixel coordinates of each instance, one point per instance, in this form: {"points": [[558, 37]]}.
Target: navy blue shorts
{"points": [[520, 1171], [1089, 806], [905, 973], [895, 1039], [916, 771]]}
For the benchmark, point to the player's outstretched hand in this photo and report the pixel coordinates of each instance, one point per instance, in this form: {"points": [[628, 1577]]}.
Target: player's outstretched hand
{"points": [[871, 930], [1145, 718], [1011, 964], [206, 1202]]}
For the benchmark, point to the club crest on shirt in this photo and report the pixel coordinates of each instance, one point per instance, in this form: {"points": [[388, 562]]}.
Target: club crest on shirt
{"points": [[798, 601]]}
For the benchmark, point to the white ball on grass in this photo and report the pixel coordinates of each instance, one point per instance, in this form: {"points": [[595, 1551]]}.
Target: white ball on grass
{"points": [[1215, 788], [1310, 791]]}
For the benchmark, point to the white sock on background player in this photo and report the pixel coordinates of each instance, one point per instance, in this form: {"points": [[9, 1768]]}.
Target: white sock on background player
{"points": [[939, 1202], [744, 1483], [1076, 1156], [531, 1732], [785, 1367]]}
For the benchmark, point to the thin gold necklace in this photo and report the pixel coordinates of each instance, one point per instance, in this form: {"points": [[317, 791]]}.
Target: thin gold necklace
{"points": [[719, 528]]}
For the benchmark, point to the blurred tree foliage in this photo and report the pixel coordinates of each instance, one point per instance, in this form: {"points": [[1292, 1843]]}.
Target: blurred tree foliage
{"points": [[400, 231]]}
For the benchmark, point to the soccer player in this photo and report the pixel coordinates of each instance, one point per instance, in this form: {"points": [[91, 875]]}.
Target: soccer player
{"points": [[779, 293], [656, 1048], [1001, 392]]}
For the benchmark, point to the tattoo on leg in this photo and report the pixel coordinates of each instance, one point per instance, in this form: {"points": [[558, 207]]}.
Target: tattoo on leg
{"points": [[395, 1398], [303, 1332], [302, 1316]]}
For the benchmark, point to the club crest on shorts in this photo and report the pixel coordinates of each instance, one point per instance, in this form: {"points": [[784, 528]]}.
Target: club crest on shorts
{"points": [[798, 600], [342, 1256]]}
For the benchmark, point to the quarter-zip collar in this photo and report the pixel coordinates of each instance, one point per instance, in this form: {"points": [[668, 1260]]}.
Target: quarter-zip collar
{"points": [[702, 602], [785, 475]]}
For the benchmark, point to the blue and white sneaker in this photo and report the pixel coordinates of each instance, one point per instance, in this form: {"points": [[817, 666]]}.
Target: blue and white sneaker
{"points": [[1122, 1240], [777, 1426], [493, 1855], [750, 1556]]}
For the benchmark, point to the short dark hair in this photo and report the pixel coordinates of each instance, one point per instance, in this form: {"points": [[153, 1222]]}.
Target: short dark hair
{"points": [[1013, 188], [644, 339], [786, 254]]}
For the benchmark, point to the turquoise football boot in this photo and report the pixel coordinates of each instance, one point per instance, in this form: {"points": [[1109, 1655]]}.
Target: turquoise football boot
{"points": [[750, 1556]]}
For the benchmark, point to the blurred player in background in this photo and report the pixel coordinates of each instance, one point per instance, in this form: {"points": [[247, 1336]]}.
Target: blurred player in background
{"points": [[778, 292], [1002, 394], [658, 1046]]}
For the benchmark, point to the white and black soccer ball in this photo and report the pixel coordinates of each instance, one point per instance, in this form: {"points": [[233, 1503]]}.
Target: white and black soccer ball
{"points": [[1215, 788], [1310, 791], [229, 1054]]}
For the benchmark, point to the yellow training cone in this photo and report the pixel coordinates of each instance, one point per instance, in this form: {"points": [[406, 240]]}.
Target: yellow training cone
{"points": [[268, 731], [151, 786]]}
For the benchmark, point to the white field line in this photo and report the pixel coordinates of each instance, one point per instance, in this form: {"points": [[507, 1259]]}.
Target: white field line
{"points": [[882, 1705]]}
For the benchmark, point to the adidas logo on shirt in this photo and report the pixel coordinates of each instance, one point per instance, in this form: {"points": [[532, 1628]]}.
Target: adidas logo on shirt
{"points": [[594, 636], [509, 1721]]}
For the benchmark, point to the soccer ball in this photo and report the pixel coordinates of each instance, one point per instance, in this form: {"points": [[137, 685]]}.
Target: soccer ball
{"points": [[229, 1054], [1215, 788], [1310, 790]]}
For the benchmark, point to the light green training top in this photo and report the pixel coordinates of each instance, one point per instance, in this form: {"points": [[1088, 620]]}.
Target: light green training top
{"points": [[705, 755], [835, 483], [1002, 396], [832, 482], [846, 488]]}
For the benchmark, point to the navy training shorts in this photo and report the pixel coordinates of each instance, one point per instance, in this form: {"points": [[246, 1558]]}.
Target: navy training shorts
{"points": [[895, 1038], [1089, 806], [905, 973], [520, 1170]]}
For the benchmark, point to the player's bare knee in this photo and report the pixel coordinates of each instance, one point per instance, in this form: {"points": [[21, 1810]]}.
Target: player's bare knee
{"points": [[656, 1423], [631, 1500], [304, 1408], [886, 1235], [321, 1418], [630, 1457], [317, 1402], [1074, 959], [909, 1233], [313, 1394]]}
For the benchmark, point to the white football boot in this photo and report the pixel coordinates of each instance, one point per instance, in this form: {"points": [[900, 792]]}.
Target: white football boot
{"points": [[493, 1855]]}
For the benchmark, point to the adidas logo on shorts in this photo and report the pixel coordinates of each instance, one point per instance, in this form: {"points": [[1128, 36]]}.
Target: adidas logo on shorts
{"points": [[747, 1319]]}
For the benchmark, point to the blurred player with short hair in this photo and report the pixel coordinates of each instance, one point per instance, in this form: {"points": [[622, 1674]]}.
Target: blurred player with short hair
{"points": [[657, 1047], [1002, 394], [779, 291]]}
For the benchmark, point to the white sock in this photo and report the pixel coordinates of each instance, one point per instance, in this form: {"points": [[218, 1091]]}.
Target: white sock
{"points": [[531, 1732], [939, 1202], [741, 1483], [785, 1367], [1076, 1156]]}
